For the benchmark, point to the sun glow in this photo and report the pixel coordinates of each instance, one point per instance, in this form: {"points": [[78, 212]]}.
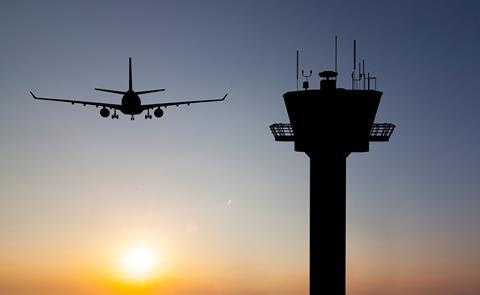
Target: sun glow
{"points": [[138, 263]]}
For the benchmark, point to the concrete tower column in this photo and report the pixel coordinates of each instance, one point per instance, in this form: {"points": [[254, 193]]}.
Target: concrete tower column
{"points": [[327, 223]]}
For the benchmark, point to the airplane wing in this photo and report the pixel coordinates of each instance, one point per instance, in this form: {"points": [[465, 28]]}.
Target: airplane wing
{"points": [[177, 103], [93, 103]]}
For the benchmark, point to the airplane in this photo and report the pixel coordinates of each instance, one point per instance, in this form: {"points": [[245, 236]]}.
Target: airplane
{"points": [[131, 103]]}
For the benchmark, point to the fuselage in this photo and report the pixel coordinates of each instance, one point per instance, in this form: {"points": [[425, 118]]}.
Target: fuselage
{"points": [[131, 103]]}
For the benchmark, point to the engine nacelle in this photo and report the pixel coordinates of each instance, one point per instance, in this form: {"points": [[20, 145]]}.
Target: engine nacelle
{"points": [[104, 112], [158, 113]]}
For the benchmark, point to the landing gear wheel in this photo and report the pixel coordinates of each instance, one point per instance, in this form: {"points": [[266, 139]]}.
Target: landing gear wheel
{"points": [[148, 116]]}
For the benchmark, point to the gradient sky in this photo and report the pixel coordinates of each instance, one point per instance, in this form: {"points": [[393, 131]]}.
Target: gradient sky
{"points": [[76, 188]]}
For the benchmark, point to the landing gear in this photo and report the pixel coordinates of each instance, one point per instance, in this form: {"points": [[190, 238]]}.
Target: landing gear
{"points": [[114, 116], [148, 116], [132, 118]]}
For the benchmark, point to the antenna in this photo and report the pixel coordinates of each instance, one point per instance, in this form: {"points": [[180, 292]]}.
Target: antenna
{"points": [[354, 54], [363, 72], [354, 62], [357, 86], [297, 70], [336, 55], [305, 83], [371, 78], [361, 69]]}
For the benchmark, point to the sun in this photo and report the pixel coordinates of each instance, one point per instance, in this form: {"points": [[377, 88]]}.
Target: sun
{"points": [[138, 263]]}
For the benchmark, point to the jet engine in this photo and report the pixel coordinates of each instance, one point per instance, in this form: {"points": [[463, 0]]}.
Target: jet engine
{"points": [[104, 112], [158, 112]]}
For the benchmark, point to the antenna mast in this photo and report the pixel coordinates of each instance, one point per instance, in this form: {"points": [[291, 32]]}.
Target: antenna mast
{"points": [[336, 55], [297, 70], [363, 73], [354, 62], [305, 83]]}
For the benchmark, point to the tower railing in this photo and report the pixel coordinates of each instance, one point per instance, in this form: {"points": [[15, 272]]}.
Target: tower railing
{"points": [[381, 131], [282, 132], [378, 132]]}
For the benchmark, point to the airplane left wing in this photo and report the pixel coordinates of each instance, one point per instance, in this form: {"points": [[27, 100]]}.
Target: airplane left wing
{"points": [[97, 104], [177, 103]]}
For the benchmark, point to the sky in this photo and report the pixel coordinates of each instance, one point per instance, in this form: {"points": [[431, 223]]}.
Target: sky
{"points": [[220, 204]]}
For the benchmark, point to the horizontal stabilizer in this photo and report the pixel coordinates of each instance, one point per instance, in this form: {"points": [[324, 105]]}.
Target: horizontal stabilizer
{"points": [[148, 91], [111, 91]]}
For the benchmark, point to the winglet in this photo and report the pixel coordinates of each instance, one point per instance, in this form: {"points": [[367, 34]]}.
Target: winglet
{"points": [[224, 96], [33, 95]]}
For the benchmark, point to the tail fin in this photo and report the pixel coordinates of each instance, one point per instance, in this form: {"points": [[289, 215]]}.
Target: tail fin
{"points": [[129, 73]]}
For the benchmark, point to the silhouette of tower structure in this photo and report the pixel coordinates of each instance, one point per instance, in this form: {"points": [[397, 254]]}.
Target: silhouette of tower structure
{"points": [[328, 124]]}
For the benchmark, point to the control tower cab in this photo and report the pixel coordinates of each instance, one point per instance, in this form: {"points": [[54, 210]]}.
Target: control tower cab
{"points": [[331, 118]]}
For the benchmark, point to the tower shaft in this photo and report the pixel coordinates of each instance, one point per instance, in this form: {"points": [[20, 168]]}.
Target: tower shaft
{"points": [[327, 223]]}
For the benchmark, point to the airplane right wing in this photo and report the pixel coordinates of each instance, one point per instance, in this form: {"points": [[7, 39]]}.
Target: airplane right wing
{"points": [[97, 104], [177, 103]]}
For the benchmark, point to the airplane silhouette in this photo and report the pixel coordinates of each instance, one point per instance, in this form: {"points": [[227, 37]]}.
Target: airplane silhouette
{"points": [[131, 103]]}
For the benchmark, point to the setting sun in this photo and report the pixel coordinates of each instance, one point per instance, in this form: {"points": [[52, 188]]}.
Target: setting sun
{"points": [[138, 262]]}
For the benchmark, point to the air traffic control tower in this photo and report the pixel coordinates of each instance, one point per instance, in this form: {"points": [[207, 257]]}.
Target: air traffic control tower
{"points": [[328, 124]]}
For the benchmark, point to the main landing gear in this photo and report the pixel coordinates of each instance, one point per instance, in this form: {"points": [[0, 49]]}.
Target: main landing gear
{"points": [[148, 116], [114, 116]]}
